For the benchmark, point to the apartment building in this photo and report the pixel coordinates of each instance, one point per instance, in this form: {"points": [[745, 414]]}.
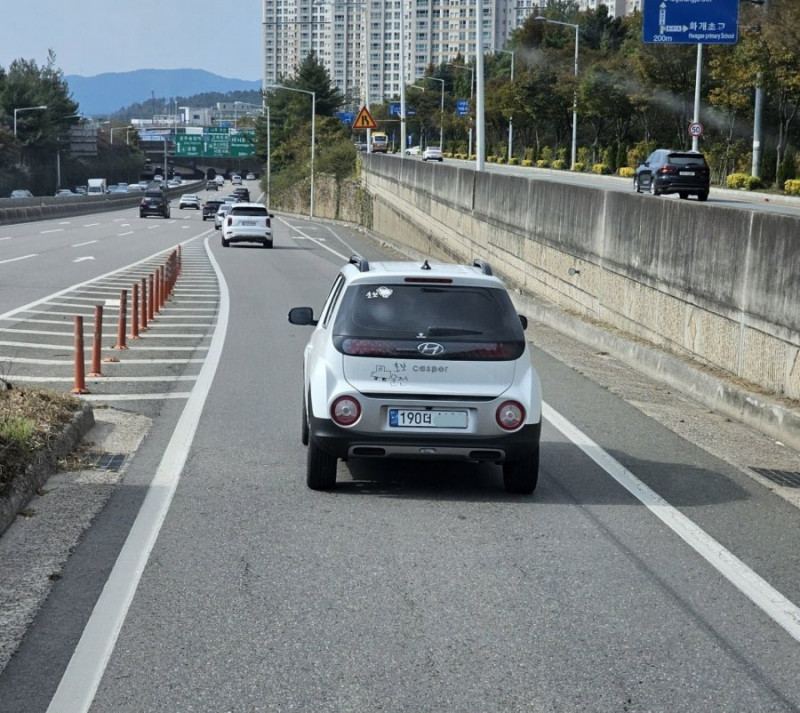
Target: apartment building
{"points": [[361, 42]]}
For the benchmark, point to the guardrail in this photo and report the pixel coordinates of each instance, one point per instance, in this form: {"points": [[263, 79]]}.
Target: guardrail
{"points": [[26, 210]]}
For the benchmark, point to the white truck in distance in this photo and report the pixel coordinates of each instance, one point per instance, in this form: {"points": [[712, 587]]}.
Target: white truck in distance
{"points": [[96, 187]]}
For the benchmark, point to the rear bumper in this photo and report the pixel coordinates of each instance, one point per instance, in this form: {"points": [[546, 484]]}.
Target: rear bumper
{"points": [[345, 443]]}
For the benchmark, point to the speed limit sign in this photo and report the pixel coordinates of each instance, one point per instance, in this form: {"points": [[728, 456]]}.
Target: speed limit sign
{"points": [[695, 129]]}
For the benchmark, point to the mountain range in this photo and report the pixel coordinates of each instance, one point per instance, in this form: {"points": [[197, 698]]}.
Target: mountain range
{"points": [[107, 93]]}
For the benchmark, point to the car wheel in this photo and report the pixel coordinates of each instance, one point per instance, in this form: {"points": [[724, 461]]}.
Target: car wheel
{"points": [[683, 195], [304, 426], [653, 190], [320, 467], [636, 186], [225, 243], [702, 196], [521, 476], [267, 243]]}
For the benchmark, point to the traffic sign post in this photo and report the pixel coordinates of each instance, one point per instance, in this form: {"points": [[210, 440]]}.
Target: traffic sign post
{"points": [[364, 120], [679, 22], [695, 129]]}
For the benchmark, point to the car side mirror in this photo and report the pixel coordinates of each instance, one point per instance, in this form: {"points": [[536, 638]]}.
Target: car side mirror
{"points": [[523, 320], [302, 315]]}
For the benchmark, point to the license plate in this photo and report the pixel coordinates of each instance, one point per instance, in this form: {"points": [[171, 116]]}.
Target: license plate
{"points": [[423, 418], [687, 173], [248, 222]]}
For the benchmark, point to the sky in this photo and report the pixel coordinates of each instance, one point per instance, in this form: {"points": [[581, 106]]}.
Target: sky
{"points": [[91, 37]]}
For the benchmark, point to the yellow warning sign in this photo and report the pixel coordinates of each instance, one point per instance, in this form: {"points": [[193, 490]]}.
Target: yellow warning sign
{"points": [[364, 120]]}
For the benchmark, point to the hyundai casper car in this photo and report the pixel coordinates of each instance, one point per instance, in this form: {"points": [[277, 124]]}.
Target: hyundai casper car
{"points": [[419, 360]]}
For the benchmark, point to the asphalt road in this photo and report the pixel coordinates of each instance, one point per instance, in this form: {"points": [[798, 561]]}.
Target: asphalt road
{"points": [[646, 573]]}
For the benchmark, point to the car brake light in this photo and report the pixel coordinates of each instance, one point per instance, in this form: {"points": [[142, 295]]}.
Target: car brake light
{"points": [[345, 411], [269, 223], [366, 347], [510, 415], [230, 221]]}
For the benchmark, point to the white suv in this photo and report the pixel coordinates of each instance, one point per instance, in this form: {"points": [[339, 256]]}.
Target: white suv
{"points": [[247, 223], [419, 360]]}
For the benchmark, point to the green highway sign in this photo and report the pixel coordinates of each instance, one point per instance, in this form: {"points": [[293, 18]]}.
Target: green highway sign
{"points": [[216, 142]]}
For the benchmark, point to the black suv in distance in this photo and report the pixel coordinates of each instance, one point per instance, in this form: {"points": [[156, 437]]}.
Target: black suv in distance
{"points": [[154, 202], [210, 208], [683, 172]]}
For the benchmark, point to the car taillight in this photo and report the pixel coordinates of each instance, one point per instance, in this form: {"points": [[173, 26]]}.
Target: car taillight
{"points": [[143, 203], [345, 411], [510, 415], [668, 169], [269, 223], [230, 221]]}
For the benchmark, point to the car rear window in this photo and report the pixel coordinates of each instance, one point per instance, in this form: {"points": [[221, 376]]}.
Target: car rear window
{"points": [[390, 320], [153, 194], [681, 159], [249, 210]]}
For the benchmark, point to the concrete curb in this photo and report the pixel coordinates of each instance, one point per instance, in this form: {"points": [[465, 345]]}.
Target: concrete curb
{"points": [[23, 488]]}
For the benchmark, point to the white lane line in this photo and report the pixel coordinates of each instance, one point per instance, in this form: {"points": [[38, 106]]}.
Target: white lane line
{"points": [[79, 683], [8, 237], [14, 259], [101, 379], [135, 397], [148, 348], [83, 259], [64, 222], [318, 241], [88, 242], [130, 232], [90, 225], [54, 230], [782, 611], [122, 360]]}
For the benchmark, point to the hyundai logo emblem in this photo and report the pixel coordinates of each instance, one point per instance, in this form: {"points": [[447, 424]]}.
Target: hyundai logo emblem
{"points": [[430, 349]]}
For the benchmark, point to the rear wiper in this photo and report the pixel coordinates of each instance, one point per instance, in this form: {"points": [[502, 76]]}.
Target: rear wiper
{"points": [[451, 332]]}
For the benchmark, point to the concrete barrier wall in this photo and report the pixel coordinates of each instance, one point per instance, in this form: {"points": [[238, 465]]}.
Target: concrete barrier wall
{"points": [[714, 283]]}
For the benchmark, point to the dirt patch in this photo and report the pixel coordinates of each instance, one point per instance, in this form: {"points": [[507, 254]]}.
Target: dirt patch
{"points": [[30, 421]]}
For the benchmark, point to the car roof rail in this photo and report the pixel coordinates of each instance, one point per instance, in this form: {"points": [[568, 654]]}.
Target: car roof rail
{"points": [[484, 266], [361, 263]]}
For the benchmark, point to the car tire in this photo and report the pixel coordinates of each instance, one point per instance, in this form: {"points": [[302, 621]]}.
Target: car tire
{"points": [[520, 477], [653, 190], [320, 467], [225, 243], [636, 186], [267, 244], [683, 195], [702, 196]]}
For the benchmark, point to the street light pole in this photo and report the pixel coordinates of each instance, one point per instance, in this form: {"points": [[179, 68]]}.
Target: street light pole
{"points": [[313, 134], [441, 114], [471, 95], [510, 118], [25, 108], [575, 93]]}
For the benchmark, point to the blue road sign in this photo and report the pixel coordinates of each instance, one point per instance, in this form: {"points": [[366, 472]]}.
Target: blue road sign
{"points": [[346, 117], [394, 108], [462, 107], [706, 22]]}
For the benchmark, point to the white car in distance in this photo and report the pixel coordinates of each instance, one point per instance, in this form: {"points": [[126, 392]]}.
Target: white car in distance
{"points": [[247, 223]]}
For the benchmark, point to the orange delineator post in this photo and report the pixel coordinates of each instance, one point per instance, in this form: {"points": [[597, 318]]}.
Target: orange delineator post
{"points": [[143, 315], [97, 341], [123, 318], [150, 297], [135, 312], [157, 295], [80, 374]]}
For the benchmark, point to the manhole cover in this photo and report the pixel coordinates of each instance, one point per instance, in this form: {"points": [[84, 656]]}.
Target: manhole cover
{"points": [[786, 478]]}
